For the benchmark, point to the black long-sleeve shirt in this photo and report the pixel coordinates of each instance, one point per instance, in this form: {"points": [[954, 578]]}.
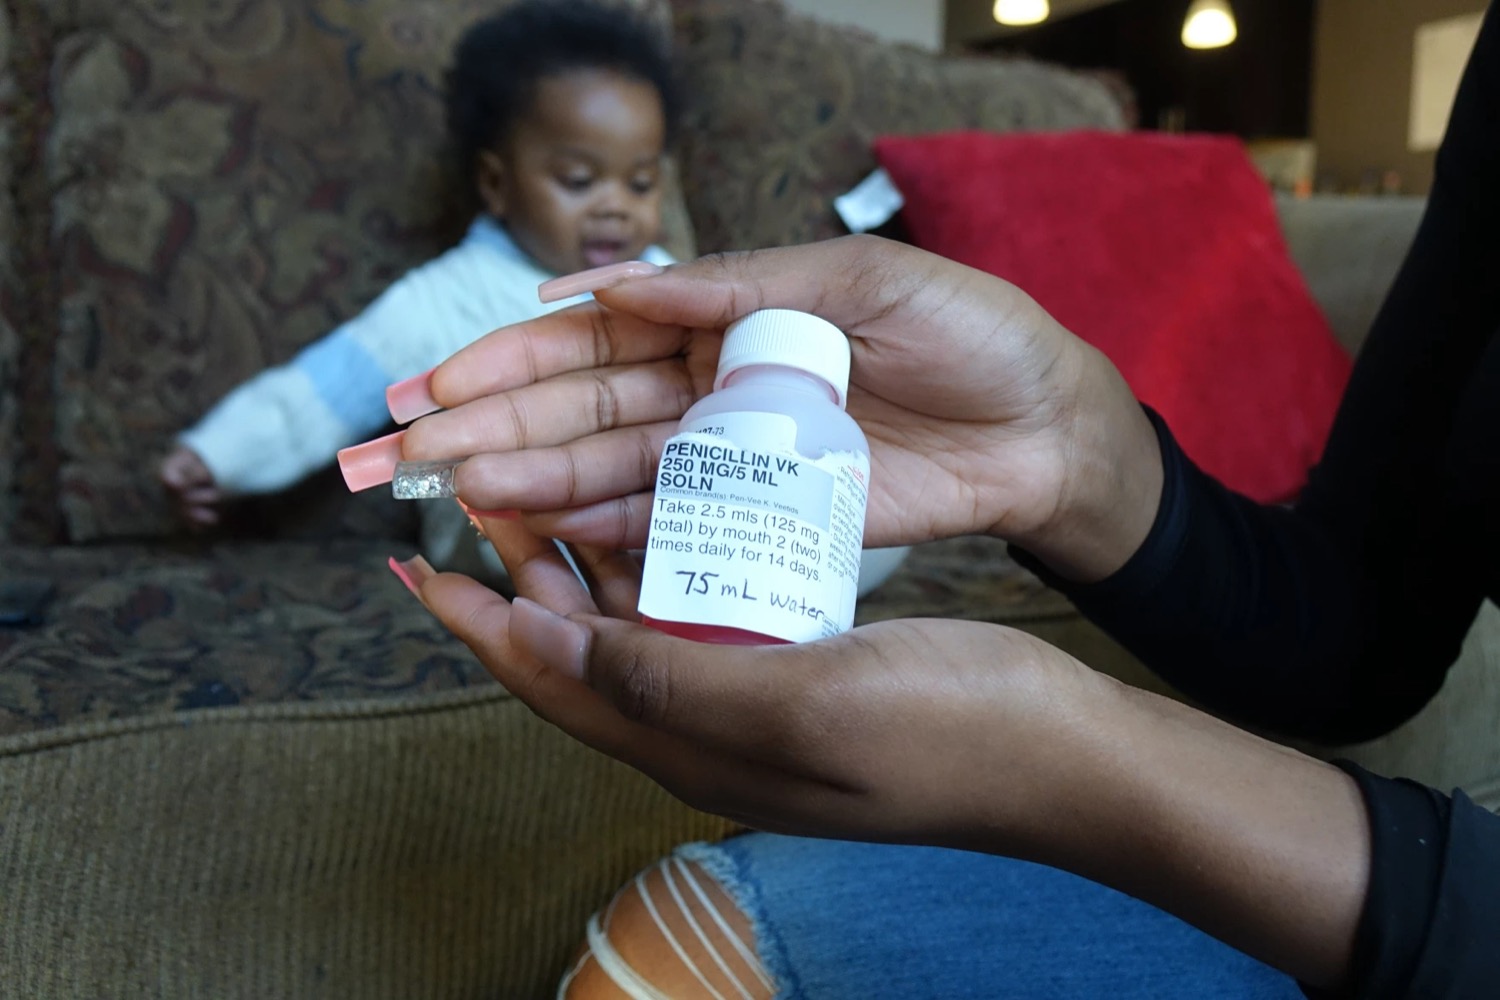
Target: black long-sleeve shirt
{"points": [[1338, 619]]}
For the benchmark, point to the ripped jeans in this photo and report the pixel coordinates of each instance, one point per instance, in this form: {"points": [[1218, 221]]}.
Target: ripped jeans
{"points": [[847, 921]]}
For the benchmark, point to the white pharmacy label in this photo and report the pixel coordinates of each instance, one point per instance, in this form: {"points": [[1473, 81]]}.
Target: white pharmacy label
{"points": [[746, 532]]}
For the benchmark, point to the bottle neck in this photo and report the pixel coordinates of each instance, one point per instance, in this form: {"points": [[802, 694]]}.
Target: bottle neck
{"points": [[782, 377]]}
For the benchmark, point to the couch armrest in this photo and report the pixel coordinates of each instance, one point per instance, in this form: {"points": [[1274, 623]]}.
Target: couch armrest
{"points": [[1349, 250]]}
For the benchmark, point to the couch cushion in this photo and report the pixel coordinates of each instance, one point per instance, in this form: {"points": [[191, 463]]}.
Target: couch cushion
{"points": [[780, 112], [1350, 249], [283, 778], [138, 630], [229, 182], [440, 847]]}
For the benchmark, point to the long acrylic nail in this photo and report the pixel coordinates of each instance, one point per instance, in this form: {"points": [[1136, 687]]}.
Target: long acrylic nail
{"points": [[595, 279], [553, 639], [372, 463], [412, 398], [414, 572], [424, 480]]}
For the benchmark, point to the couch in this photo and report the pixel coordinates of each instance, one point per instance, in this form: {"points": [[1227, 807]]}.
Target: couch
{"points": [[248, 764]]}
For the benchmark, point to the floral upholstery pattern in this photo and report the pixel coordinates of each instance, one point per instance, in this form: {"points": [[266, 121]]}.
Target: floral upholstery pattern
{"points": [[140, 629], [206, 187], [228, 181], [781, 111], [136, 630]]}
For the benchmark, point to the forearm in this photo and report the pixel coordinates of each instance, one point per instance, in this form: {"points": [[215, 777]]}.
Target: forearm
{"points": [[1337, 620], [291, 420], [1260, 614], [267, 434], [1265, 848]]}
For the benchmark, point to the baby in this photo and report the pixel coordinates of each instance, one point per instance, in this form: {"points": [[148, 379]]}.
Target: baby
{"points": [[561, 113]]}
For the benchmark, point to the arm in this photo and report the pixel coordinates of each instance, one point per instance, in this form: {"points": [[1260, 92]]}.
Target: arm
{"points": [[1356, 884], [1338, 620], [979, 737], [289, 421], [1260, 846], [983, 738], [876, 734]]}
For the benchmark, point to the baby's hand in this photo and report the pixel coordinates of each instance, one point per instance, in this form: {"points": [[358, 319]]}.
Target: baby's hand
{"points": [[191, 486]]}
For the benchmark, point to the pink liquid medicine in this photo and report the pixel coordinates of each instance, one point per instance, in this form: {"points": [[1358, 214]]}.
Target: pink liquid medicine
{"points": [[758, 517], [721, 634]]}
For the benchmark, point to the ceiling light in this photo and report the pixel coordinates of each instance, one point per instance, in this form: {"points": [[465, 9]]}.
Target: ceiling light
{"points": [[1018, 12], [1209, 25]]}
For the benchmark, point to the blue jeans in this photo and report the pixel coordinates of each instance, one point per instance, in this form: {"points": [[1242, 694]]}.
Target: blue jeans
{"points": [[837, 920]]}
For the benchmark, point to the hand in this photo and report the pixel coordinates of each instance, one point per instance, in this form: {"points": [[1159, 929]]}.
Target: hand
{"points": [[947, 733], [923, 731], [983, 414], [192, 488]]}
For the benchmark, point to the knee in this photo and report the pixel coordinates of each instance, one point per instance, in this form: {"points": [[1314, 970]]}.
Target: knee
{"points": [[671, 932]]}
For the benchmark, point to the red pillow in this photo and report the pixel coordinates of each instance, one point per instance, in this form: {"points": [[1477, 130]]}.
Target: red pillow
{"points": [[1165, 253]]}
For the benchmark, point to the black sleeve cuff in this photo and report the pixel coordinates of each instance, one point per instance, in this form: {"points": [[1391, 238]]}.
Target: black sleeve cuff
{"points": [[1429, 924], [1408, 838]]}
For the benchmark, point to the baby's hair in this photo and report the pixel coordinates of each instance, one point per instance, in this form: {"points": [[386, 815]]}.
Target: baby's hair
{"points": [[500, 60]]}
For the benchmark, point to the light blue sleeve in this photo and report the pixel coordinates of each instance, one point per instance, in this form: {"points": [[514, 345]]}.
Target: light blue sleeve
{"points": [[348, 380], [290, 421]]}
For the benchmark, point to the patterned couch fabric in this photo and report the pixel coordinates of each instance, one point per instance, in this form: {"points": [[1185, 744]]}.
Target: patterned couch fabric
{"points": [[229, 181], [781, 111], [139, 629]]}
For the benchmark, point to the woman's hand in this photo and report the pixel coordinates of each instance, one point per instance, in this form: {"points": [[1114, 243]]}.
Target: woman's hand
{"points": [[925, 731], [983, 414], [938, 732]]}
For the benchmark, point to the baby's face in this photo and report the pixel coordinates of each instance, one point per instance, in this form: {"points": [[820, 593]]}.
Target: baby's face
{"points": [[578, 181]]}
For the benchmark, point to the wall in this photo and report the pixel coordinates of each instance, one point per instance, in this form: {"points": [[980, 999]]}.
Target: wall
{"points": [[1362, 86], [916, 22]]}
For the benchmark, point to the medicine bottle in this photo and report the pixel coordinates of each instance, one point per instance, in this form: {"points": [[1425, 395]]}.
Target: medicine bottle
{"points": [[760, 495]]}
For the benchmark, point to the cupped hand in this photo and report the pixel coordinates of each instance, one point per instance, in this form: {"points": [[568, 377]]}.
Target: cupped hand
{"points": [[939, 732], [948, 733], [191, 486], [983, 414]]}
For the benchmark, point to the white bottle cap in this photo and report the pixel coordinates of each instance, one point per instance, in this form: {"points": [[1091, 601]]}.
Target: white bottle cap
{"points": [[789, 338]]}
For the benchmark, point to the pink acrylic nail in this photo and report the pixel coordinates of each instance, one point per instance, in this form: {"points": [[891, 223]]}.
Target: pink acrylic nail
{"points": [[412, 398], [372, 463], [595, 279], [414, 572]]}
